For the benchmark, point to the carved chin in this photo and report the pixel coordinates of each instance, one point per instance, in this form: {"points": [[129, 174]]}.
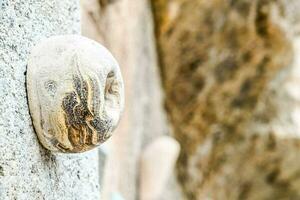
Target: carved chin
{"points": [[70, 100]]}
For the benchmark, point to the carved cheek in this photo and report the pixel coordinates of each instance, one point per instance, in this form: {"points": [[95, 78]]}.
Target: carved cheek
{"points": [[72, 108]]}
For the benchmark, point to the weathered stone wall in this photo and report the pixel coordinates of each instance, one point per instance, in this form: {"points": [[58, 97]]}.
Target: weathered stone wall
{"points": [[27, 170], [231, 78]]}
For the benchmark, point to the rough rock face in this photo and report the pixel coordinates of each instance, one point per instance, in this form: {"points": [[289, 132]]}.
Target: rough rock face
{"points": [[231, 80], [27, 170]]}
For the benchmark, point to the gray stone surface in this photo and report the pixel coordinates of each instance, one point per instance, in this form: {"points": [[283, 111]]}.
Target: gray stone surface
{"points": [[27, 170]]}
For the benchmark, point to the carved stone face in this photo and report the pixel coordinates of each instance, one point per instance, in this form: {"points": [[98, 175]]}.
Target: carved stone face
{"points": [[75, 93]]}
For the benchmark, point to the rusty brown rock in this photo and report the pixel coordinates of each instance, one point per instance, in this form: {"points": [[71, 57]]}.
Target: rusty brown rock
{"points": [[225, 67]]}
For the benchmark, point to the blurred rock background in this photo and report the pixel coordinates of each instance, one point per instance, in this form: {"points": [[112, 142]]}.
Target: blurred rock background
{"points": [[227, 73], [126, 29]]}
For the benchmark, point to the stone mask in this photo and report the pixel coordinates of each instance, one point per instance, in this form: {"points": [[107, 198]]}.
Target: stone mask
{"points": [[75, 93]]}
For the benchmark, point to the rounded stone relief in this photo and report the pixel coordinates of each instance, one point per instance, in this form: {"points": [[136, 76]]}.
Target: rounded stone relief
{"points": [[75, 93]]}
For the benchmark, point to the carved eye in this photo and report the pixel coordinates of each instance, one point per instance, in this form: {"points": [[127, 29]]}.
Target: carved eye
{"points": [[112, 89], [51, 87], [111, 86], [78, 116]]}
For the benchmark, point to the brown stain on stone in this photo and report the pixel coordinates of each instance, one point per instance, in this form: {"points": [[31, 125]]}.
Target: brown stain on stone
{"points": [[217, 58], [85, 128], [77, 116]]}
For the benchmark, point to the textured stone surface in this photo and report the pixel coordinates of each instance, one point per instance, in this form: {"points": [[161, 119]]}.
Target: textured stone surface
{"points": [[27, 170], [231, 77], [75, 93]]}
